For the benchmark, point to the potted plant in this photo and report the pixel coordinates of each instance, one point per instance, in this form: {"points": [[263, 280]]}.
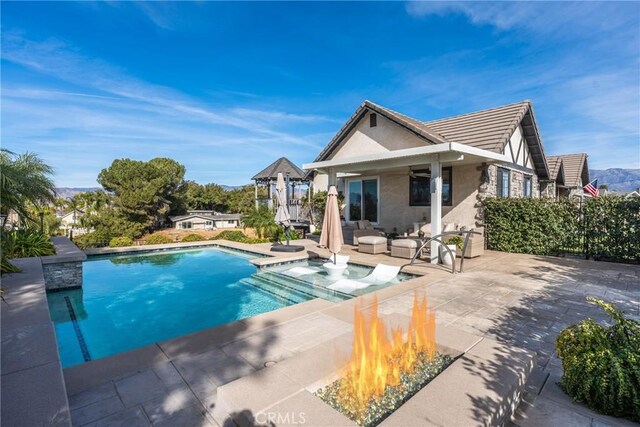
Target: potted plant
{"points": [[454, 244]]}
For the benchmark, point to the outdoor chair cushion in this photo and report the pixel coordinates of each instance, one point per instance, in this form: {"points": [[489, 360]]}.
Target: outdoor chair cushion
{"points": [[406, 243], [364, 224], [372, 240]]}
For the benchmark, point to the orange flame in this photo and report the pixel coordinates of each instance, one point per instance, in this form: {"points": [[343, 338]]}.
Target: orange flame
{"points": [[377, 361]]}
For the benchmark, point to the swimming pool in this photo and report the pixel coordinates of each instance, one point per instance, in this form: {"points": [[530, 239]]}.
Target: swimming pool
{"points": [[134, 300]]}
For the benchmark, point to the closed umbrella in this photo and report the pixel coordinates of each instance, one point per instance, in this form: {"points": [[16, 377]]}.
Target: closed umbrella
{"points": [[331, 236], [282, 212]]}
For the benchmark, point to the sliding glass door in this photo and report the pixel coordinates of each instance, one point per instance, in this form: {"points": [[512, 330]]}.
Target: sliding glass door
{"points": [[363, 200]]}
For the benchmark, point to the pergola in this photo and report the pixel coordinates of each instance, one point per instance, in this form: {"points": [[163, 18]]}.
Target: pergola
{"points": [[268, 176], [434, 156]]}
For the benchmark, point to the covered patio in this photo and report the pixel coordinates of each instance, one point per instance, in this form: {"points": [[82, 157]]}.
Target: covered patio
{"points": [[373, 182]]}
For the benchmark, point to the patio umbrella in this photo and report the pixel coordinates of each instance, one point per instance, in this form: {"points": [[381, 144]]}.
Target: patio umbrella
{"points": [[331, 236], [282, 212]]}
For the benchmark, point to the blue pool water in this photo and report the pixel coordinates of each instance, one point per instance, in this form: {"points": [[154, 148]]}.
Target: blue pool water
{"points": [[134, 300]]}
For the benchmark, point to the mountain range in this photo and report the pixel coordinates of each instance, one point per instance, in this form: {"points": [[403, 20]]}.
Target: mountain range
{"points": [[616, 179]]}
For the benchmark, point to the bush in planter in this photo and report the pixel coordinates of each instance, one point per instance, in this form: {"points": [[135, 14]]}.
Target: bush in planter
{"points": [[119, 242], [602, 363], [455, 240], [193, 237], [158, 239]]}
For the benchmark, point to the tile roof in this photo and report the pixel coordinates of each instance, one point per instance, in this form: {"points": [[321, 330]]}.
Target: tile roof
{"points": [[282, 165], [487, 129], [555, 164], [576, 171]]}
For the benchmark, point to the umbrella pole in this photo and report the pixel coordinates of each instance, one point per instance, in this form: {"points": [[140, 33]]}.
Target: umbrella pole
{"points": [[286, 232]]}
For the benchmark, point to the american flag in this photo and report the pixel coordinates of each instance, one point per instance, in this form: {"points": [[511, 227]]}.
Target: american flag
{"points": [[592, 188]]}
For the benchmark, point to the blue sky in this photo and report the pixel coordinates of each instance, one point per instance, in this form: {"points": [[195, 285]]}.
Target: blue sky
{"points": [[226, 88]]}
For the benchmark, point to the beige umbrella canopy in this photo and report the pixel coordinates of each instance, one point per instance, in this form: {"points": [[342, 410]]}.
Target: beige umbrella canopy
{"points": [[331, 236]]}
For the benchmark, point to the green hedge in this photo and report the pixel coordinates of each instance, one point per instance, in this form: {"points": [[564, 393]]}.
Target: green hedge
{"points": [[534, 226], [612, 228], [606, 227]]}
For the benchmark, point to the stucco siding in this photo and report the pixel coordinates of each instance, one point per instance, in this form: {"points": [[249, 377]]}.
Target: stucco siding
{"points": [[395, 211], [385, 136]]}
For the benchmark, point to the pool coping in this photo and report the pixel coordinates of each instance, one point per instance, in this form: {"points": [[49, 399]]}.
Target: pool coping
{"points": [[66, 251], [33, 386], [89, 374]]}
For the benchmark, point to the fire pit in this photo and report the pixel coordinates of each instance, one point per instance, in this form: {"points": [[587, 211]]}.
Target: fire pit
{"points": [[454, 378], [383, 373]]}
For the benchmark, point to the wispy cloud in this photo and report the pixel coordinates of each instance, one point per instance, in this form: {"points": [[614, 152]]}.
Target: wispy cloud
{"points": [[107, 111], [557, 18]]}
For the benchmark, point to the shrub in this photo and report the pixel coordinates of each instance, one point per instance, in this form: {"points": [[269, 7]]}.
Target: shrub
{"points": [[118, 242], [193, 237], [232, 235], [237, 236], [319, 232], [158, 239], [28, 242], [7, 267], [279, 235], [262, 221], [93, 239], [455, 240], [602, 363]]}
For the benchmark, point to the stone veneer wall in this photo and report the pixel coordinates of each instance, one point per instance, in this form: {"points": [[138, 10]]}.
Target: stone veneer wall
{"points": [[64, 269], [489, 186], [489, 183], [548, 189], [64, 275]]}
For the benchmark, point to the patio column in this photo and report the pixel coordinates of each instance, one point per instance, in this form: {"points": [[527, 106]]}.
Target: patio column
{"points": [[436, 205], [270, 201]]}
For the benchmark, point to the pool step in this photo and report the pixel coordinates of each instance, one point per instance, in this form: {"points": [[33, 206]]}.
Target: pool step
{"points": [[290, 295], [298, 285]]}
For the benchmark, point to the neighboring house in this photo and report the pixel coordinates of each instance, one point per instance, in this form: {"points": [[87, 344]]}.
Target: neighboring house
{"points": [[70, 223], [205, 221], [569, 173], [401, 173]]}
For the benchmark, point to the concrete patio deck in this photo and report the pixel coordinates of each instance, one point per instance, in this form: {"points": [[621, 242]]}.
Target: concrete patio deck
{"points": [[514, 299]]}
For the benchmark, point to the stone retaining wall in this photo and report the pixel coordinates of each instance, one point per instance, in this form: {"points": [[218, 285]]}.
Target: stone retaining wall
{"points": [[64, 269], [65, 275]]}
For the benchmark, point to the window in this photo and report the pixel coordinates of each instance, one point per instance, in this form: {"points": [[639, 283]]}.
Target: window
{"points": [[363, 200], [185, 225], [373, 120], [526, 191], [504, 179], [420, 188]]}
